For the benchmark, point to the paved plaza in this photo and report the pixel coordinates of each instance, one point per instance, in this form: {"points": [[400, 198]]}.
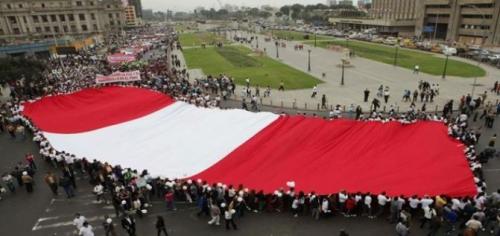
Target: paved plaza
{"points": [[364, 74]]}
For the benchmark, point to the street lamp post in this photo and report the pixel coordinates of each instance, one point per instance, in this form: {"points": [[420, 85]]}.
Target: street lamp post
{"points": [[445, 65], [396, 55], [309, 60], [315, 39], [277, 51], [342, 78], [257, 39]]}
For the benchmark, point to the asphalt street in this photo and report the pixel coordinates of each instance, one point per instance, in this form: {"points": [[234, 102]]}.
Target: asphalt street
{"points": [[42, 214]]}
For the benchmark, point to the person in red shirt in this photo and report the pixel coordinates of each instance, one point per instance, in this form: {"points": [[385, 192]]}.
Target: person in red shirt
{"points": [[169, 200], [31, 160], [350, 205]]}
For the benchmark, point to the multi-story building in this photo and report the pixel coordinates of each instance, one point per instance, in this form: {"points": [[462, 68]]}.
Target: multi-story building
{"points": [[345, 2], [394, 17], [131, 16], [138, 7], [331, 2], [32, 19], [465, 21]]}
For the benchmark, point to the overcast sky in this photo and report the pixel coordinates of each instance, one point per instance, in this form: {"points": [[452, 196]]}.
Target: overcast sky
{"points": [[189, 5]]}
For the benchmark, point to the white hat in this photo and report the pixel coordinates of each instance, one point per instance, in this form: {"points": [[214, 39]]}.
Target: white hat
{"points": [[224, 186], [124, 202], [149, 187], [209, 189], [109, 220], [276, 192], [219, 184], [241, 193], [223, 205], [290, 184], [189, 181], [144, 211], [199, 181], [240, 199], [184, 187], [25, 172]]}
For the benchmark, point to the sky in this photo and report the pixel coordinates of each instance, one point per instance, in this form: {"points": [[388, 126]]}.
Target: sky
{"points": [[189, 5]]}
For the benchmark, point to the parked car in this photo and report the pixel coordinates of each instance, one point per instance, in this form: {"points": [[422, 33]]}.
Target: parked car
{"points": [[449, 51], [494, 58], [391, 41], [377, 39]]}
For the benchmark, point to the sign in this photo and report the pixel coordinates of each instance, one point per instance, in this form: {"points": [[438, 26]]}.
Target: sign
{"points": [[428, 29], [119, 77], [118, 58]]}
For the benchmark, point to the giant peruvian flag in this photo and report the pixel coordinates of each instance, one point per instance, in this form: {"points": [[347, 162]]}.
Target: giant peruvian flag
{"points": [[143, 129]]}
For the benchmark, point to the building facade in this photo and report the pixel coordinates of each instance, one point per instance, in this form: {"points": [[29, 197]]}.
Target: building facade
{"points": [[392, 17], [138, 7], [474, 22], [38, 19]]}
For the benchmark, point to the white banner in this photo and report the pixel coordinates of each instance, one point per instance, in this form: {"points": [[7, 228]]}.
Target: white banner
{"points": [[119, 77]]}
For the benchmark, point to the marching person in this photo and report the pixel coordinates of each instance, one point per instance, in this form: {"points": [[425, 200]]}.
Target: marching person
{"points": [[86, 230], [109, 227], [51, 181], [27, 181], [160, 226], [128, 224]]}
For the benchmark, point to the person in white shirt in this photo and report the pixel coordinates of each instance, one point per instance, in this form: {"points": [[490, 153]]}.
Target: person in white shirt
{"points": [[367, 205], [426, 202], [342, 198], [98, 191], [428, 214], [78, 221], [413, 202], [86, 230], [382, 202]]}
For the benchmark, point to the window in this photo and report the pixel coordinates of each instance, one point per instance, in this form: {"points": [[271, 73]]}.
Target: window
{"points": [[84, 28], [2, 32], [65, 28], [62, 18], [91, 3], [42, 5], [56, 29], [81, 16], [110, 16], [117, 15], [108, 6], [12, 19], [118, 22], [53, 18], [9, 6], [73, 28], [16, 31], [25, 20], [47, 29], [95, 27], [92, 16], [38, 29], [20, 5], [35, 19], [28, 30], [45, 19], [111, 23], [71, 17], [79, 3]]}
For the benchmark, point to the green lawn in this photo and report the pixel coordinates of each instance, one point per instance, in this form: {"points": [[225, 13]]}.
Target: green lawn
{"points": [[428, 62], [240, 63], [295, 36], [198, 38]]}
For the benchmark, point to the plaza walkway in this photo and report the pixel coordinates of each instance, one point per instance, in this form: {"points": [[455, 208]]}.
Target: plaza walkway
{"points": [[365, 74]]}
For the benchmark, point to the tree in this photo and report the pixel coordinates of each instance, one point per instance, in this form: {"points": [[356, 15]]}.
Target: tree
{"points": [[285, 10], [15, 68]]}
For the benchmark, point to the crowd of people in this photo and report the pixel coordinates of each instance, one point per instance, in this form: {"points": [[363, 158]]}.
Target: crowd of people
{"points": [[131, 191]]}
